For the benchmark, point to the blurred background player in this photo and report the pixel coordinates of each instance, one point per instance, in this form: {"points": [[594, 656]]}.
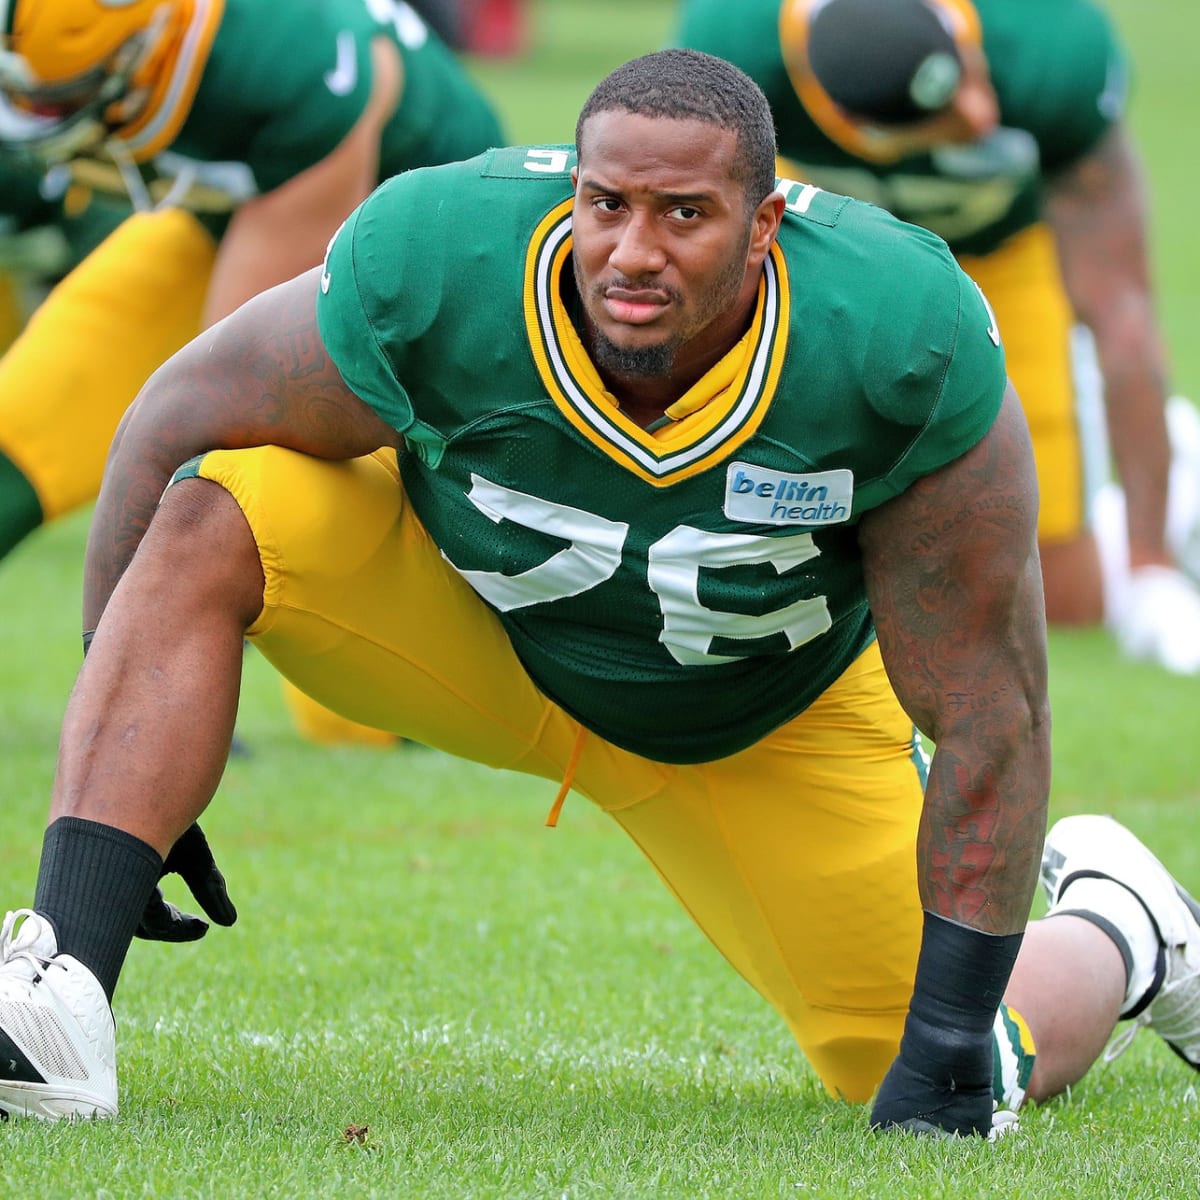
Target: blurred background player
{"points": [[998, 125], [444, 17], [495, 28], [53, 438], [46, 227], [242, 132]]}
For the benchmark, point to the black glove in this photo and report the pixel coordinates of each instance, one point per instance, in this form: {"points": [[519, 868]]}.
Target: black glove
{"points": [[941, 1082], [192, 860], [927, 1097]]}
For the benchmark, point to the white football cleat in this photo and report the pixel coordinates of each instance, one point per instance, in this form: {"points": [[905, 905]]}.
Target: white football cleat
{"points": [[1159, 621], [57, 1037], [1091, 847]]}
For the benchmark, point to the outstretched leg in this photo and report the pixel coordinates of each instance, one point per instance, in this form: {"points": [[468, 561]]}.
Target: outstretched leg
{"points": [[1121, 941], [144, 742], [147, 729], [1068, 984]]}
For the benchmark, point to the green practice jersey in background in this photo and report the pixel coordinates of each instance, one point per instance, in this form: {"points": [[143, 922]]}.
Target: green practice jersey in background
{"points": [[1060, 78], [286, 82]]}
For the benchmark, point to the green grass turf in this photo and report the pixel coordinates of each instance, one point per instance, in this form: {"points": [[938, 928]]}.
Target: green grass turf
{"points": [[518, 1012]]}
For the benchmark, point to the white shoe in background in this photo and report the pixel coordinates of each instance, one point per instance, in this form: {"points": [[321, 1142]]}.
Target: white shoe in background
{"points": [[1159, 621]]}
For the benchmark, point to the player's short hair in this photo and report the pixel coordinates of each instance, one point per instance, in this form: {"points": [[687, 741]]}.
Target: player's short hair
{"points": [[890, 61], [689, 85]]}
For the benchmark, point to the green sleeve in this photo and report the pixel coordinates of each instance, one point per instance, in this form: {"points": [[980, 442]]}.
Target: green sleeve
{"points": [[933, 372], [282, 120], [349, 304], [370, 311], [1060, 72], [969, 394]]}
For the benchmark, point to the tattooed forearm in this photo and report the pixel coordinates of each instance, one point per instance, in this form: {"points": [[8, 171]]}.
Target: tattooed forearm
{"points": [[955, 588], [980, 840], [261, 377], [958, 851]]}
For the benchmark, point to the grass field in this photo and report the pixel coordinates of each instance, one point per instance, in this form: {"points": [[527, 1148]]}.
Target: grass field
{"points": [[512, 1011]]}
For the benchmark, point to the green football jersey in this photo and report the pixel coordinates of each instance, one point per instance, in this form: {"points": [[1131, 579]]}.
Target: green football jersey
{"points": [[680, 592], [24, 201], [284, 84], [42, 235], [1060, 78]]}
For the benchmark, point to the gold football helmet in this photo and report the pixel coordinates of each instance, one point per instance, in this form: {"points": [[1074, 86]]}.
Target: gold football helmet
{"points": [[929, 89], [74, 73]]}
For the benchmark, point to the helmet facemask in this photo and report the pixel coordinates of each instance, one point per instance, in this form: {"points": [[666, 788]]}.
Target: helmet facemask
{"points": [[51, 122]]}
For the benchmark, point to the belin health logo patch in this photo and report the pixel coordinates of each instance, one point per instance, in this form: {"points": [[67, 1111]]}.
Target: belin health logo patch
{"points": [[763, 497]]}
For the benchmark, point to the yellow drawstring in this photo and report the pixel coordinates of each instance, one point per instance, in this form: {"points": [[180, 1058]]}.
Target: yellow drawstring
{"points": [[568, 778]]}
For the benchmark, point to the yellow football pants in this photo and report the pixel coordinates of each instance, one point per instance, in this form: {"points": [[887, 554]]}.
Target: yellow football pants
{"points": [[796, 857], [1024, 287], [316, 723], [87, 350], [12, 311], [83, 356]]}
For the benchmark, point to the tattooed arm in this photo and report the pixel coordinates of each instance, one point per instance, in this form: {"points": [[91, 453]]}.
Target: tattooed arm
{"points": [[952, 574], [260, 377], [955, 586]]}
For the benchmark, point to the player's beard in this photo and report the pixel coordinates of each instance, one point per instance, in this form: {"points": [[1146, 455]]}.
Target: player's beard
{"points": [[657, 360], [623, 361]]}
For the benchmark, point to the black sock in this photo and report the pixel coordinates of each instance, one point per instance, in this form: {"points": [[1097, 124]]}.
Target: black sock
{"points": [[93, 885]]}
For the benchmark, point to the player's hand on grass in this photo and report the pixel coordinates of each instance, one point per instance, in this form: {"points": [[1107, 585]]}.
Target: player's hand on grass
{"points": [[942, 1081], [192, 860], [941, 1101]]}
